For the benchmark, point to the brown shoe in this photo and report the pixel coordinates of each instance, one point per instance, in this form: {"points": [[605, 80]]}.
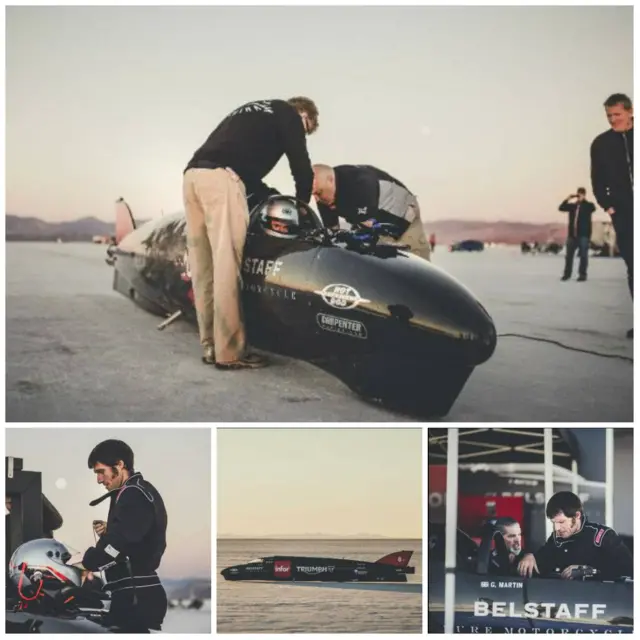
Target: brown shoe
{"points": [[209, 355], [249, 361]]}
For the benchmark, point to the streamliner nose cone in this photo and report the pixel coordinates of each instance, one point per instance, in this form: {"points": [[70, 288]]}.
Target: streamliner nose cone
{"points": [[483, 341], [488, 344], [470, 332], [232, 573]]}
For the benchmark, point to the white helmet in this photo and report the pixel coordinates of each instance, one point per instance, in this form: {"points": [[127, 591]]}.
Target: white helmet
{"points": [[280, 218], [41, 565]]}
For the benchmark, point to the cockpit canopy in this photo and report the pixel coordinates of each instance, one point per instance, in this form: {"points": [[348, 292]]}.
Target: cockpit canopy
{"points": [[284, 217]]}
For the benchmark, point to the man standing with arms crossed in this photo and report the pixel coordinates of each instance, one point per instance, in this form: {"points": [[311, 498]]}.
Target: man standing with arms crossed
{"points": [[226, 170], [612, 175]]}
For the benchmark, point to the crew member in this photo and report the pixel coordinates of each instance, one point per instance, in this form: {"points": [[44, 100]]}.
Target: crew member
{"points": [[365, 195], [512, 535], [580, 211], [576, 541], [612, 175], [132, 540], [222, 174]]}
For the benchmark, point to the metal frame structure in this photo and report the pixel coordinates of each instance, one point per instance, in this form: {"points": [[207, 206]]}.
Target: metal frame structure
{"points": [[25, 490]]}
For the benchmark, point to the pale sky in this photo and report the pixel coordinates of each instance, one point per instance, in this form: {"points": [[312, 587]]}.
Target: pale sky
{"points": [[176, 461], [336, 481], [484, 112]]}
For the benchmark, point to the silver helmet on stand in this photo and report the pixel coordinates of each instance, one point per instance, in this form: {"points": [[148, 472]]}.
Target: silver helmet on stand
{"points": [[41, 566]]}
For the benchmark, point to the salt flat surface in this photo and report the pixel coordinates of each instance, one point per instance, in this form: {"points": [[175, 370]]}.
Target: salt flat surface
{"points": [[187, 621], [78, 351]]}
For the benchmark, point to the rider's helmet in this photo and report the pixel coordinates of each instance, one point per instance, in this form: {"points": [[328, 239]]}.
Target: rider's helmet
{"points": [[280, 218], [40, 566]]}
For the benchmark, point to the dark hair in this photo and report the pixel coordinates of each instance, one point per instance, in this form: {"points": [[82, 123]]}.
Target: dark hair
{"points": [[582, 190], [564, 501], [109, 452], [501, 523], [619, 98]]}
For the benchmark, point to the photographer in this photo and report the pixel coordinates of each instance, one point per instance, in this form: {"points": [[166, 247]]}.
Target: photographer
{"points": [[580, 211]]}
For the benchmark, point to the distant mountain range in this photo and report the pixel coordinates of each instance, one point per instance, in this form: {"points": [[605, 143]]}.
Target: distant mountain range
{"points": [[447, 231], [20, 228]]}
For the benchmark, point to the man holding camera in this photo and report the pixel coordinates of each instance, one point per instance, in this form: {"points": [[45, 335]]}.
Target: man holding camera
{"points": [[580, 211]]}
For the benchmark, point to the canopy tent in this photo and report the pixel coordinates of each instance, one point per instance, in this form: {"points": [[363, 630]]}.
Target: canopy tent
{"points": [[505, 445], [553, 446]]}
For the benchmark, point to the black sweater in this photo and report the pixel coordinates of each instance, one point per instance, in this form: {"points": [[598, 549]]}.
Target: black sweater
{"points": [[252, 139]]}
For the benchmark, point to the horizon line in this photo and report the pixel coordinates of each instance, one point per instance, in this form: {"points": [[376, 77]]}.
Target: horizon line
{"points": [[560, 221]]}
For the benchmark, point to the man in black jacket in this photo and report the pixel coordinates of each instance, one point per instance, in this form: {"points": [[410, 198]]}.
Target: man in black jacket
{"points": [[576, 541], [511, 532], [580, 211], [132, 540], [223, 173], [612, 175], [365, 195]]}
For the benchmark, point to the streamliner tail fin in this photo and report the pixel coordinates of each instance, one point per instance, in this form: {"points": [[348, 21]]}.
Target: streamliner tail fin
{"points": [[396, 559], [125, 222]]}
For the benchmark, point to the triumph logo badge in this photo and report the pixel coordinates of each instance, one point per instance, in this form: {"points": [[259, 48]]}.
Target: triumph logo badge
{"points": [[341, 296], [344, 326], [314, 571]]}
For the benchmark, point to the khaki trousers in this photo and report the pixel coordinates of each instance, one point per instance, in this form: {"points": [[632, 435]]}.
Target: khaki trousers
{"points": [[414, 236], [217, 218]]}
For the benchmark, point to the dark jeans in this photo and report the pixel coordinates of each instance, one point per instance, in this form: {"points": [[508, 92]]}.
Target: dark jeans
{"points": [[582, 244], [623, 224]]}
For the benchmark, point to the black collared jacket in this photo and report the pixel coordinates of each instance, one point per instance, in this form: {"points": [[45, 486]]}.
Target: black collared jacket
{"points": [[136, 535], [612, 170], [594, 545]]}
